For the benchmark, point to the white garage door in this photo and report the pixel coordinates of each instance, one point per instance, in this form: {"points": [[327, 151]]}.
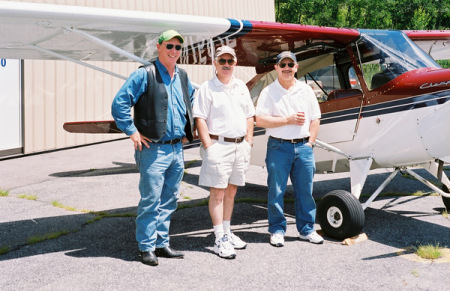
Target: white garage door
{"points": [[10, 107]]}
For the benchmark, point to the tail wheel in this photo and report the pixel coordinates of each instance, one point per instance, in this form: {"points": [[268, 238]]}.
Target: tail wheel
{"points": [[340, 215], [446, 200]]}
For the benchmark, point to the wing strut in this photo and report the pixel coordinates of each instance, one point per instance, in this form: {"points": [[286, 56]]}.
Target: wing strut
{"points": [[412, 173], [32, 46], [380, 188], [109, 46], [428, 183], [331, 148]]}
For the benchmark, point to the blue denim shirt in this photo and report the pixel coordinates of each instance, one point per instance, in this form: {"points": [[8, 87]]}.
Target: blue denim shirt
{"points": [[135, 86]]}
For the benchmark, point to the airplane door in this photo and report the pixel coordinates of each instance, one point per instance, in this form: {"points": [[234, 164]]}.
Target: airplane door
{"points": [[10, 107]]}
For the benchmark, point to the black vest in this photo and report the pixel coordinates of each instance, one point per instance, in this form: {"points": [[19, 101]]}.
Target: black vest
{"points": [[150, 112]]}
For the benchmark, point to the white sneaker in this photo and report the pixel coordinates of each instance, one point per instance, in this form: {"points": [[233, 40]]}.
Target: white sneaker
{"points": [[313, 237], [277, 239], [237, 243], [224, 248]]}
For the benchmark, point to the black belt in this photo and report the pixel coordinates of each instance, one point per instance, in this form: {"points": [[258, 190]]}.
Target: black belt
{"points": [[294, 140], [227, 139], [172, 141]]}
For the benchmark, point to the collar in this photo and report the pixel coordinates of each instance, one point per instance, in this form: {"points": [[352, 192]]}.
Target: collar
{"points": [[217, 82], [163, 68], [294, 88]]}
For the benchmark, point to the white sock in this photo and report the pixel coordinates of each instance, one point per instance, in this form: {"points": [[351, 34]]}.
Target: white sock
{"points": [[227, 227], [218, 231]]}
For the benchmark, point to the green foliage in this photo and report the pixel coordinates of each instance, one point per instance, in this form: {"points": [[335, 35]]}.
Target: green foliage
{"points": [[429, 251], [4, 250], [48, 236], [375, 14], [444, 63], [28, 197], [59, 205]]}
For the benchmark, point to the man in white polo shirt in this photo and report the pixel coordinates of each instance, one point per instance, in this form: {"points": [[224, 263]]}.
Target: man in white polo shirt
{"points": [[224, 113], [290, 112]]}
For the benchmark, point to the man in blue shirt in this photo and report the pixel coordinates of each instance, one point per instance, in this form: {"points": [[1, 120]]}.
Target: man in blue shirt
{"points": [[161, 95]]}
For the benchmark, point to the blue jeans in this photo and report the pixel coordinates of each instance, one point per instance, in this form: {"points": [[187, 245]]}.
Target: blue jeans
{"points": [[284, 160], [161, 171]]}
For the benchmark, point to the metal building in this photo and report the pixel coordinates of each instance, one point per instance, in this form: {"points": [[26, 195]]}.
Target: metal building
{"points": [[37, 97]]}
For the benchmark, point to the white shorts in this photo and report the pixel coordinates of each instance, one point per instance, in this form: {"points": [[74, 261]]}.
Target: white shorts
{"points": [[224, 163]]}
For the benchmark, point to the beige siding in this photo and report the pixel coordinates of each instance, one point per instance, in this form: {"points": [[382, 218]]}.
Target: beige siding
{"points": [[60, 91]]}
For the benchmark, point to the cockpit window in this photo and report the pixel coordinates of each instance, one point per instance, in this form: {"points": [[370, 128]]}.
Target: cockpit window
{"points": [[386, 55]]}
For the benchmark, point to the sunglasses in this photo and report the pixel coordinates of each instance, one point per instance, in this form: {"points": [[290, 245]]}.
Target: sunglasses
{"points": [[170, 46], [282, 65], [223, 62]]}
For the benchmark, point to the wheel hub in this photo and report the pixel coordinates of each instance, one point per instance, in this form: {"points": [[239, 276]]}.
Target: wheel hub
{"points": [[334, 217]]}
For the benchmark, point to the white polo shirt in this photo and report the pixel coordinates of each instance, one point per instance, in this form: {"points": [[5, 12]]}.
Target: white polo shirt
{"points": [[225, 107], [276, 101]]}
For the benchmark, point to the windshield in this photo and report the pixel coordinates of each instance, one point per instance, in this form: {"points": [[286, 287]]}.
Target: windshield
{"points": [[386, 55]]}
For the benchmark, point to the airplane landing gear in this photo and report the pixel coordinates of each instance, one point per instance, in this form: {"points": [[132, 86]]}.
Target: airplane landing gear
{"points": [[446, 200], [340, 215]]}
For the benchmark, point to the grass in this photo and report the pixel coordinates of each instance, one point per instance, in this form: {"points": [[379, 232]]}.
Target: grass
{"points": [[28, 197], [59, 205], [401, 194], [445, 213], [4, 250], [40, 238], [189, 164], [204, 202], [252, 200], [430, 252], [100, 215]]}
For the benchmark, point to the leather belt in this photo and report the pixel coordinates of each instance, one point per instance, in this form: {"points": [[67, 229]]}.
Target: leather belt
{"points": [[294, 140], [227, 139], [172, 141]]}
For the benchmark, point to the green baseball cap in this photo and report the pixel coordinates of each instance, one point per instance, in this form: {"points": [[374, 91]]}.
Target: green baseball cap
{"points": [[168, 35]]}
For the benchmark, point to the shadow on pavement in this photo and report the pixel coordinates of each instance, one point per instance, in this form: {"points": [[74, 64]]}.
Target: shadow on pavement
{"points": [[191, 228], [191, 231]]}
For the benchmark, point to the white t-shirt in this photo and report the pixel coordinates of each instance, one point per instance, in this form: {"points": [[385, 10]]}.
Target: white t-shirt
{"points": [[224, 107], [276, 101]]}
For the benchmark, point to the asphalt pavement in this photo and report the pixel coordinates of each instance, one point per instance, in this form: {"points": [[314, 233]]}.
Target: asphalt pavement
{"points": [[86, 197]]}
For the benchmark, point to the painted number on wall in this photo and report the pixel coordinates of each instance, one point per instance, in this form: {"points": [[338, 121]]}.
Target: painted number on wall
{"points": [[3, 62]]}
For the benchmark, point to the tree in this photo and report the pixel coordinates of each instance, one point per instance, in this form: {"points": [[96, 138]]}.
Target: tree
{"points": [[375, 14], [371, 14]]}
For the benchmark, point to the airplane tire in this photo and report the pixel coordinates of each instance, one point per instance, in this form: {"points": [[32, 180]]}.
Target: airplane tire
{"points": [[446, 200], [340, 215]]}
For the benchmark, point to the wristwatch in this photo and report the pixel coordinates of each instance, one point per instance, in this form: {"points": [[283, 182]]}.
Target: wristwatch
{"points": [[313, 144]]}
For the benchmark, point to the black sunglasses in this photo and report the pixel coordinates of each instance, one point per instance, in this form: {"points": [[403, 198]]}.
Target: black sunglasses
{"points": [[170, 46], [282, 65], [223, 62]]}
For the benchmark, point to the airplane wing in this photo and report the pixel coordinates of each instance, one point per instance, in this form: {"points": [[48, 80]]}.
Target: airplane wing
{"points": [[84, 34], [436, 43], [80, 34], [43, 31]]}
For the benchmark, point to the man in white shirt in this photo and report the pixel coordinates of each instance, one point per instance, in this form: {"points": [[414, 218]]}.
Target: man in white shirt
{"points": [[290, 112], [224, 113]]}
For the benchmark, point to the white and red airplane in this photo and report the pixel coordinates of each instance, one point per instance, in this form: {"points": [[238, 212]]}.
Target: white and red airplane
{"points": [[384, 100]]}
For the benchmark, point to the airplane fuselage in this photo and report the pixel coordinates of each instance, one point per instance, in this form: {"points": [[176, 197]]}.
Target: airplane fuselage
{"points": [[394, 128]]}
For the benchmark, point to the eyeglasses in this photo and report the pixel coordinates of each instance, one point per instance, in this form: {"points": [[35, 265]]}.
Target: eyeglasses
{"points": [[170, 46], [282, 65], [223, 62]]}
